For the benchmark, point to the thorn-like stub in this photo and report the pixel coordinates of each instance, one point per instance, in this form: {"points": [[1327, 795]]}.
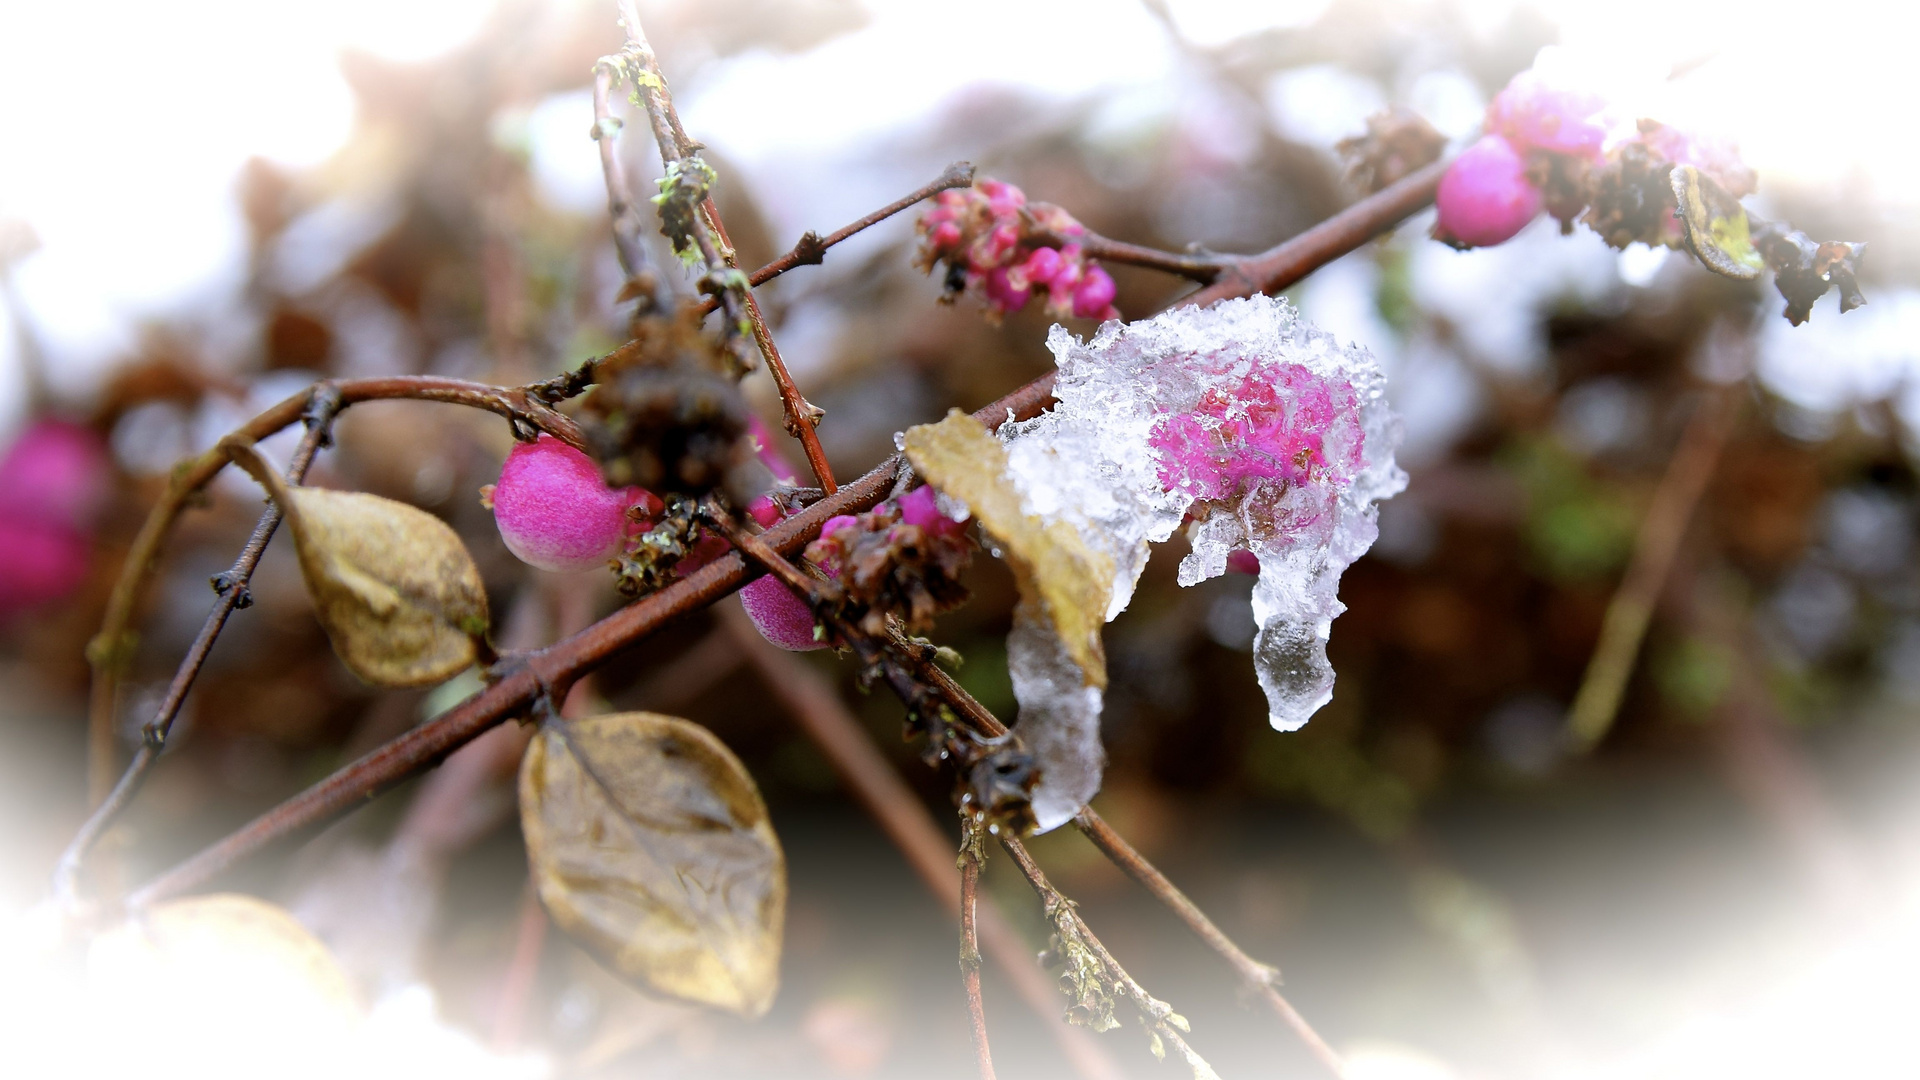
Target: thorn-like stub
{"points": [[809, 250]]}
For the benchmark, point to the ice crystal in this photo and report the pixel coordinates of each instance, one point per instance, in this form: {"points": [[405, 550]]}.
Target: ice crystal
{"points": [[1265, 432]]}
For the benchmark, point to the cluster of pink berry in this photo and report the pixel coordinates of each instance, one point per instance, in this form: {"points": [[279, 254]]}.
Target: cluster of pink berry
{"points": [[1000, 248], [1281, 425], [1560, 149], [53, 481], [903, 558], [555, 511]]}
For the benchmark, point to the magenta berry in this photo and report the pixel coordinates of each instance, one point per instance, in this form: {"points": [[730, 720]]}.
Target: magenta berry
{"points": [[998, 248], [555, 510], [1535, 115], [1243, 561], [1485, 197], [54, 472], [780, 615], [1093, 297], [52, 482]]}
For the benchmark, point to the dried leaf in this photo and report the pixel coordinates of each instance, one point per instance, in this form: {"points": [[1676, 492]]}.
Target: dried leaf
{"points": [[1716, 225], [223, 941], [392, 584], [1054, 654], [1055, 568], [651, 847]]}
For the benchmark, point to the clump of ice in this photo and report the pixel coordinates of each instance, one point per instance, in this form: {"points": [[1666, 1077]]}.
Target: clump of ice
{"points": [[1262, 429]]}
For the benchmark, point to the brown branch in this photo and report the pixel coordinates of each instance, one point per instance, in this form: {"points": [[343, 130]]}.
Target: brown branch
{"points": [[802, 416], [811, 249], [426, 745], [1204, 269], [1161, 1022], [544, 672], [970, 856], [849, 748], [1631, 608], [1260, 979], [1286, 263], [232, 592], [111, 649], [624, 215]]}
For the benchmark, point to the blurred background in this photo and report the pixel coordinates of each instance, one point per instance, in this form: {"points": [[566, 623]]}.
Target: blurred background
{"points": [[204, 206]]}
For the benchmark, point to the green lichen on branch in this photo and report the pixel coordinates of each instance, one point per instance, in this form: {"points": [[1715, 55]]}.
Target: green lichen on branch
{"points": [[686, 185]]}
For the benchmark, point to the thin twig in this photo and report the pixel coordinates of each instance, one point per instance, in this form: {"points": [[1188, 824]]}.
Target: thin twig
{"points": [[735, 296], [1161, 1022], [816, 706], [232, 592], [1260, 979], [111, 648], [1287, 262], [525, 677], [1631, 608], [970, 857], [811, 249], [1203, 268], [625, 216]]}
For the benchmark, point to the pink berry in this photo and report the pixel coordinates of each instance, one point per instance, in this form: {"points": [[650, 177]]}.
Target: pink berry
{"points": [[554, 509], [54, 472], [1042, 266], [779, 614], [1093, 297], [1485, 198], [1534, 115], [1243, 562], [921, 508], [1001, 292], [944, 237], [40, 562]]}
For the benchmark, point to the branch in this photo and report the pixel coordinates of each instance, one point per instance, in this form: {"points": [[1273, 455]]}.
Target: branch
{"points": [[620, 207], [1204, 269], [1631, 608], [970, 857], [811, 250], [1286, 263], [323, 405], [1261, 979], [1161, 1022], [111, 649], [735, 296], [851, 750], [528, 676]]}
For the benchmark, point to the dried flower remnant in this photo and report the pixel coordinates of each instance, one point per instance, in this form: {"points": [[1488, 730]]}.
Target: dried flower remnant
{"points": [[902, 558], [1271, 435], [556, 512], [667, 415], [1398, 142], [1004, 250]]}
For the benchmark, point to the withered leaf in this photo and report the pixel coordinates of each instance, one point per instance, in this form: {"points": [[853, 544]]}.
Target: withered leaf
{"points": [[1803, 269], [393, 585], [651, 847], [1057, 572], [1716, 225], [222, 940]]}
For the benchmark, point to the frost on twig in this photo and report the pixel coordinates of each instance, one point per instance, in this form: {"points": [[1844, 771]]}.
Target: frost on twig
{"points": [[1259, 428]]}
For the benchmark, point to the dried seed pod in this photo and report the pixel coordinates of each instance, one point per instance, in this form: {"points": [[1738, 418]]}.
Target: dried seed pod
{"points": [[668, 416], [392, 585], [651, 847]]}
